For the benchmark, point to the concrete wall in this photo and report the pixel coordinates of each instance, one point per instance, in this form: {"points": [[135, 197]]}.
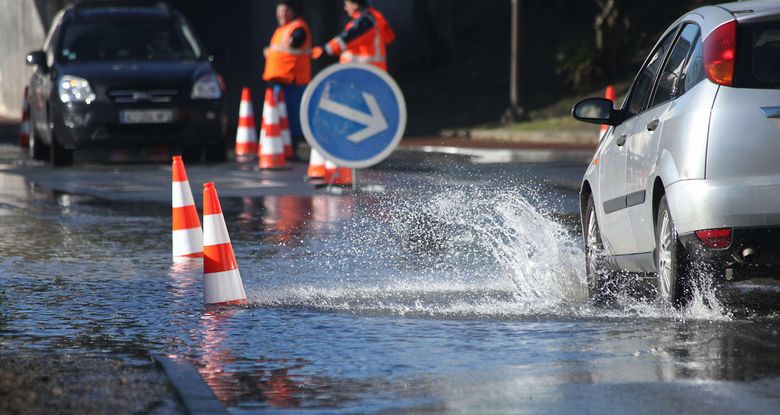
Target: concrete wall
{"points": [[21, 30]]}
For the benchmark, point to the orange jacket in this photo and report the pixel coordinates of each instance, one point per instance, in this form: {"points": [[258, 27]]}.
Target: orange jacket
{"points": [[364, 39], [285, 64]]}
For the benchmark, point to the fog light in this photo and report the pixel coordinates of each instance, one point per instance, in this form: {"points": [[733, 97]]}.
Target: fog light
{"points": [[715, 238], [75, 120], [211, 115]]}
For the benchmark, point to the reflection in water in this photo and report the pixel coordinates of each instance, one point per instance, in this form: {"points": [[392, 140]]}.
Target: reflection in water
{"points": [[364, 318], [215, 355], [287, 216], [233, 379]]}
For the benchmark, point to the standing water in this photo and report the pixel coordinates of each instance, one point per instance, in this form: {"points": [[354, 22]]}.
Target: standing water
{"points": [[438, 299]]}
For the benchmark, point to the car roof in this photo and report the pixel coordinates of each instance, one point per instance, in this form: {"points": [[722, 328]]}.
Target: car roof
{"points": [[754, 6], [755, 11], [114, 9]]}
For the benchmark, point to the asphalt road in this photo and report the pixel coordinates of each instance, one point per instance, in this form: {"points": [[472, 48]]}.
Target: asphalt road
{"points": [[452, 283]]}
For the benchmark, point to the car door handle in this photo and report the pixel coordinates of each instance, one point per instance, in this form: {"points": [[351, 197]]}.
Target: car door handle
{"points": [[652, 125], [621, 141]]}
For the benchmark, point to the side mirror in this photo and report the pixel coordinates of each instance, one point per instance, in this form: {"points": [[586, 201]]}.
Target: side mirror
{"points": [[596, 111], [37, 58], [218, 56]]}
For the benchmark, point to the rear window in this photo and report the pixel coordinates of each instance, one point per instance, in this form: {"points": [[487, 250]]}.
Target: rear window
{"points": [[127, 38], [758, 56]]}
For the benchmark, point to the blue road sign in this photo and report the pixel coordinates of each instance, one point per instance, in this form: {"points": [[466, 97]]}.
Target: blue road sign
{"points": [[354, 114]]}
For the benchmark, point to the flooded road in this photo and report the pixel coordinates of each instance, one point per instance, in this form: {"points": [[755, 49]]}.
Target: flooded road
{"points": [[455, 286]]}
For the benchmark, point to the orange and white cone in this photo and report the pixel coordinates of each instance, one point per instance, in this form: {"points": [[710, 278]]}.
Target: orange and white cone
{"points": [[608, 94], [337, 176], [24, 127], [246, 135], [271, 151], [187, 233], [316, 168], [284, 126], [222, 281]]}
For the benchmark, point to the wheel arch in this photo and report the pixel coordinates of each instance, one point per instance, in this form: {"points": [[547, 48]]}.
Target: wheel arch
{"points": [[585, 193], [658, 192]]}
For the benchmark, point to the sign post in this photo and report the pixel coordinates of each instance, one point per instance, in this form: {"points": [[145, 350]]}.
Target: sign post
{"points": [[354, 114]]}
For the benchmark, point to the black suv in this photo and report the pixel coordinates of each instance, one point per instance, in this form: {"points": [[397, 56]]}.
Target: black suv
{"points": [[124, 75]]}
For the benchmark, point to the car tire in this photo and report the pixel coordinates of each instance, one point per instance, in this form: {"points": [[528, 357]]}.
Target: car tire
{"points": [[601, 280], [59, 155], [672, 262], [37, 149]]}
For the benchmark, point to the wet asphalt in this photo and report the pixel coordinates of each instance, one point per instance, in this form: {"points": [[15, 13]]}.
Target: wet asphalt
{"points": [[452, 282]]}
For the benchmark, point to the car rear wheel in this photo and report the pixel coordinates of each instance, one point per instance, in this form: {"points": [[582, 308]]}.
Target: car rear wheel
{"points": [[671, 260], [600, 278]]}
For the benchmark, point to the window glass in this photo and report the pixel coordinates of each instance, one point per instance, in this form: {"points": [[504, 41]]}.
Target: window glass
{"points": [[765, 64], [670, 75], [644, 81], [127, 38], [694, 69]]}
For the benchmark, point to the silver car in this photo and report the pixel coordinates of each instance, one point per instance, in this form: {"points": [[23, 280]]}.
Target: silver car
{"points": [[686, 181]]}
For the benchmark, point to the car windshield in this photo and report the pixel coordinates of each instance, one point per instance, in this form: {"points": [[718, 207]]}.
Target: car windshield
{"points": [[128, 38]]}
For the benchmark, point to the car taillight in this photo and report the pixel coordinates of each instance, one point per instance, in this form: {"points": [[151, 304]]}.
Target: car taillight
{"points": [[715, 238], [720, 48]]}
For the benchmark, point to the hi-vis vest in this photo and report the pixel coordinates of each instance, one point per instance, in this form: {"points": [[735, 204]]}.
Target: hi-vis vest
{"points": [[369, 47], [284, 64]]}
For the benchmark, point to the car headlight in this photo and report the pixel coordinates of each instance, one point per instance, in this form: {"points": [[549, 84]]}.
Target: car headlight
{"points": [[75, 89], [207, 87]]}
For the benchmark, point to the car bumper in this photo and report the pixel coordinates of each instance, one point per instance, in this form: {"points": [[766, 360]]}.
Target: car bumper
{"points": [[749, 206], [753, 253], [193, 123], [732, 203]]}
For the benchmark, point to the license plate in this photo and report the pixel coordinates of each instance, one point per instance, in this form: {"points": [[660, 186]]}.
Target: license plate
{"points": [[146, 116]]}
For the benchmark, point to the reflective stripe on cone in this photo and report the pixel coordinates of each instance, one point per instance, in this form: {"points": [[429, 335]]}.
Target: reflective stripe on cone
{"points": [[24, 127], [337, 176], [246, 135], [284, 126], [187, 234], [222, 280], [316, 168], [271, 151]]}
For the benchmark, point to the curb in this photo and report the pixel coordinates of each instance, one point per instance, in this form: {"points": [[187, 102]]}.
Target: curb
{"points": [[509, 155], [540, 137], [197, 397]]}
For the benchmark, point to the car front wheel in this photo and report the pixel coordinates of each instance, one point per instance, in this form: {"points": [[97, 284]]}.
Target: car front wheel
{"points": [[37, 148], [600, 278], [671, 260], [59, 155]]}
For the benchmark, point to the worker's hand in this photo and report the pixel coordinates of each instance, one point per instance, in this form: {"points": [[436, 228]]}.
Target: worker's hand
{"points": [[317, 52]]}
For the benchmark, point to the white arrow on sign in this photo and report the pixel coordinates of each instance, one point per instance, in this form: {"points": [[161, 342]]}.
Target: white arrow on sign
{"points": [[375, 122]]}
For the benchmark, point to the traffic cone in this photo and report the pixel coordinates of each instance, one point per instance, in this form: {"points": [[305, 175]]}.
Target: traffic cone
{"points": [[316, 168], [610, 95], [284, 126], [271, 151], [337, 176], [187, 233], [24, 127], [222, 280], [246, 141]]}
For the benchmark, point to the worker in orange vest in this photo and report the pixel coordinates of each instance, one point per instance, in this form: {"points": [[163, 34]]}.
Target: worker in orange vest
{"points": [[364, 39], [288, 62]]}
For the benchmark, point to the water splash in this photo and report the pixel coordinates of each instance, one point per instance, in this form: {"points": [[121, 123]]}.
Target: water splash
{"points": [[470, 251]]}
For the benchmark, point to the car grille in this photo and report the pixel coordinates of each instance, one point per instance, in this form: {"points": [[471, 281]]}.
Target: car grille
{"points": [[132, 96]]}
